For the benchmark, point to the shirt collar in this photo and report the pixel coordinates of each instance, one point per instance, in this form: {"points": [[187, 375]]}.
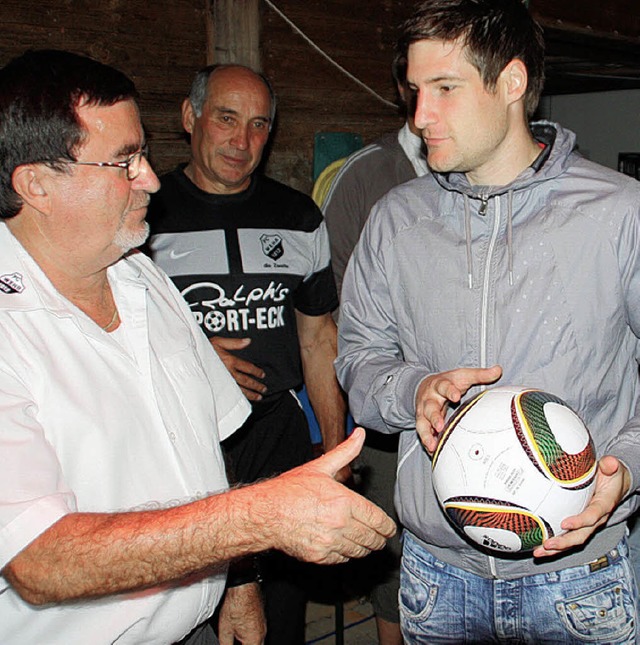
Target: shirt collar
{"points": [[413, 147]]}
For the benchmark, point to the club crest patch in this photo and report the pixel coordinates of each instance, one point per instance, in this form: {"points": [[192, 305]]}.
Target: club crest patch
{"points": [[11, 283], [272, 246]]}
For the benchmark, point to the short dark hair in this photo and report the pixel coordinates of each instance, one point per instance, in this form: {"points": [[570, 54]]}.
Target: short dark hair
{"points": [[39, 94], [494, 32], [199, 87]]}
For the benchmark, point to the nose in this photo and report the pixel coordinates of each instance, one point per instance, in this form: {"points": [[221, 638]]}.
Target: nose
{"points": [[147, 180], [240, 138], [425, 113]]}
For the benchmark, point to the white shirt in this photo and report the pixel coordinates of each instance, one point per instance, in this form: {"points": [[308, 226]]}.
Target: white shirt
{"points": [[87, 426], [413, 147]]}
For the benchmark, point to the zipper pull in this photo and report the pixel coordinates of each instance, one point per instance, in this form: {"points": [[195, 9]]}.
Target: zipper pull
{"points": [[483, 206]]}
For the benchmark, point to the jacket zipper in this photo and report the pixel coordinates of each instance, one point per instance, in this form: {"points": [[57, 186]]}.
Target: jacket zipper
{"points": [[485, 284], [485, 306]]}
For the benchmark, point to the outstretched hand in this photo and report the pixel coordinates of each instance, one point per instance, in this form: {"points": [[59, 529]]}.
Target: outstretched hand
{"points": [[437, 391], [612, 484], [326, 522]]}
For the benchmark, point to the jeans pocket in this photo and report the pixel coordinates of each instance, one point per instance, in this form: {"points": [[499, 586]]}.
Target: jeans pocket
{"points": [[417, 596], [605, 614]]}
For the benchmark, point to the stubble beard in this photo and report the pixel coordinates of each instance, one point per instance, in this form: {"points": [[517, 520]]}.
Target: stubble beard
{"points": [[126, 240]]}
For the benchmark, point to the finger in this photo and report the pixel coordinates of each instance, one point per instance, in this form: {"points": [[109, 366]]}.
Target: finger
{"points": [[479, 376], [332, 558], [561, 543], [225, 635], [363, 537], [249, 383], [427, 435], [373, 517], [245, 367], [342, 455], [229, 343], [251, 395]]}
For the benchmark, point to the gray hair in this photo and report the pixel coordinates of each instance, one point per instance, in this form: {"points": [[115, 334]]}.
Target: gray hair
{"points": [[199, 88]]}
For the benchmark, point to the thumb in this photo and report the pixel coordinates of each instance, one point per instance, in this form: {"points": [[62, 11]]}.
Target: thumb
{"points": [[609, 465], [343, 454]]}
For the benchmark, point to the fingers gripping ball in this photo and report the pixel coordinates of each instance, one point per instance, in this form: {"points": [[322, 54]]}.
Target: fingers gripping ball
{"points": [[511, 464]]}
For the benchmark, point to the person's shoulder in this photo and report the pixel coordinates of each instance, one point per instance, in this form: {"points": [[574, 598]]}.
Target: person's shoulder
{"points": [[586, 176], [272, 187], [373, 153], [280, 197]]}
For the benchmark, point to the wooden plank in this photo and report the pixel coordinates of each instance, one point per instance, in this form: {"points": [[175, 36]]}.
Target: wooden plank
{"points": [[234, 32]]}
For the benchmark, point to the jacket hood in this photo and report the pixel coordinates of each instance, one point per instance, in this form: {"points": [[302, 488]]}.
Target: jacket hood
{"points": [[560, 143]]}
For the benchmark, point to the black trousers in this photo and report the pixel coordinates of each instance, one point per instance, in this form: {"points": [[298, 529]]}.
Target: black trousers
{"points": [[275, 438]]}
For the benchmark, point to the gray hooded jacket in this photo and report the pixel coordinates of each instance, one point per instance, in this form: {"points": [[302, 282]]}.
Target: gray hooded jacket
{"points": [[541, 276]]}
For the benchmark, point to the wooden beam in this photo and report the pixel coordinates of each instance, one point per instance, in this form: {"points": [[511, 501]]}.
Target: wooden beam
{"points": [[233, 32]]}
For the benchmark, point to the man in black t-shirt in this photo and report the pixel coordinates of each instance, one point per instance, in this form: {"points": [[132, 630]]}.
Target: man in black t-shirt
{"points": [[251, 257]]}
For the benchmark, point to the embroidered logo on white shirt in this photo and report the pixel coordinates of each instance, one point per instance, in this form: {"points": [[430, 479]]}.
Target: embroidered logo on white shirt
{"points": [[11, 283]]}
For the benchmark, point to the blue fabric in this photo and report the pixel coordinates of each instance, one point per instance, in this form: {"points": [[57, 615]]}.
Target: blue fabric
{"points": [[314, 428], [440, 603]]}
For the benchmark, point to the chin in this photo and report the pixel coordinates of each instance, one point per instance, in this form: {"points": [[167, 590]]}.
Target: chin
{"points": [[128, 240]]}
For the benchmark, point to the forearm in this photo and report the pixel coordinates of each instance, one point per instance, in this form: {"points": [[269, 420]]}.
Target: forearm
{"points": [[91, 554], [303, 512], [318, 352], [327, 399]]}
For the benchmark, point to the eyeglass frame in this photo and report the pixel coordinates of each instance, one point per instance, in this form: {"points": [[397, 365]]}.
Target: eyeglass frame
{"points": [[125, 165]]}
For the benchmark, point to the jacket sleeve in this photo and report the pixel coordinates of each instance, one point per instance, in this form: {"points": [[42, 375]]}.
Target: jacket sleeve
{"points": [[626, 444], [345, 211], [370, 366]]}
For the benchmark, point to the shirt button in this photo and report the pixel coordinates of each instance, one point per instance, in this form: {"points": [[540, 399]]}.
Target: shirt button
{"points": [[172, 436]]}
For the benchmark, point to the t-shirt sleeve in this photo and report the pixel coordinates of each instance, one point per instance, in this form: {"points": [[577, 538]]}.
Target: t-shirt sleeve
{"points": [[317, 293]]}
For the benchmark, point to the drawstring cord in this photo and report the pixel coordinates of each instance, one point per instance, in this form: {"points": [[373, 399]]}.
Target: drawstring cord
{"points": [[467, 230], [510, 237]]}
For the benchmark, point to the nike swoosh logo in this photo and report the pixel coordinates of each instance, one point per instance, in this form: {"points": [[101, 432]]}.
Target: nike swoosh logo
{"points": [[176, 255]]}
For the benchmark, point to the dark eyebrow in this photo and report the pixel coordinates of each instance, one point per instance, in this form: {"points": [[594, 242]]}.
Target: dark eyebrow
{"points": [[129, 149], [225, 110], [445, 78]]}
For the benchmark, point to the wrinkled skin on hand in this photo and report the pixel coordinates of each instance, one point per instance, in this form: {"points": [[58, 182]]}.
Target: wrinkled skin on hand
{"points": [[328, 523]]}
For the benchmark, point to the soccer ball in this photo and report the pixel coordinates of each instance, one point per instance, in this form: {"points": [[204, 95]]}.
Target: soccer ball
{"points": [[510, 465]]}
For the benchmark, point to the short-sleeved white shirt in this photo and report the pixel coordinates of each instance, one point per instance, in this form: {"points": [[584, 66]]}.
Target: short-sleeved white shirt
{"points": [[93, 423]]}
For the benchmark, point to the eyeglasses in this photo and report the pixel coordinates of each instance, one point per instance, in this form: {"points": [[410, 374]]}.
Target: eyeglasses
{"points": [[132, 164]]}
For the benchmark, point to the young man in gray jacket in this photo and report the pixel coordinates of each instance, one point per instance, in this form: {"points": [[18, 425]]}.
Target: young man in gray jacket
{"points": [[516, 260]]}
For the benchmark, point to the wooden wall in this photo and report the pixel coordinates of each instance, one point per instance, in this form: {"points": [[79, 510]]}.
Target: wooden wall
{"points": [[158, 44], [619, 18], [161, 44], [315, 96]]}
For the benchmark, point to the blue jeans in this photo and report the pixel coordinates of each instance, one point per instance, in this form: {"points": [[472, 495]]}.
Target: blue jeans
{"points": [[440, 603]]}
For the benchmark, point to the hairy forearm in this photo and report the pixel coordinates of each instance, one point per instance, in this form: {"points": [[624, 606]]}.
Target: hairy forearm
{"points": [[93, 554], [303, 512]]}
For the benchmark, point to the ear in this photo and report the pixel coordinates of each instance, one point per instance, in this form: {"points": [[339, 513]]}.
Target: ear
{"points": [[515, 79], [29, 182], [188, 116]]}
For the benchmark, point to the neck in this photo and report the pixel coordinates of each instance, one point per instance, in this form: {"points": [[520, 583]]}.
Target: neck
{"points": [[211, 186], [87, 288], [516, 151]]}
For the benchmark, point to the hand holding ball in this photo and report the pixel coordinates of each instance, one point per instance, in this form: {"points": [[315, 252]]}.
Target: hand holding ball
{"points": [[511, 464]]}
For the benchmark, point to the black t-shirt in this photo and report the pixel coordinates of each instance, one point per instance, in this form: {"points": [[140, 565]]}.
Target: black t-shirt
{"points": [[244, 263]]}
